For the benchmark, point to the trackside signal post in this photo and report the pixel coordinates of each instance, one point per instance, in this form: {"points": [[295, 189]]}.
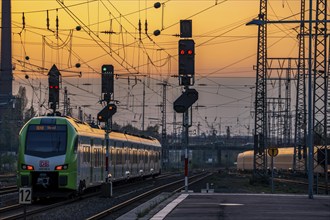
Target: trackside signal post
{"points": [[105, 115], [272, 152], [186, 62], [186, 70], [25, 197], [54, 88]]}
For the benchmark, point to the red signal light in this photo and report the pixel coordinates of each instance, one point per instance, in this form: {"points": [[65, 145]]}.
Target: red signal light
{"points": [[190, 52], [50, 87], [56, 87], [182, 52]]}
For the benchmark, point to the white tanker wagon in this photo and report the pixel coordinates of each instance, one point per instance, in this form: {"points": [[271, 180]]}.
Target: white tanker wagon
{"points": [[283, 161]]}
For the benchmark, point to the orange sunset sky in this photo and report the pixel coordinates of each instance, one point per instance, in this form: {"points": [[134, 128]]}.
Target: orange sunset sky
{"points": [[225, 49]]}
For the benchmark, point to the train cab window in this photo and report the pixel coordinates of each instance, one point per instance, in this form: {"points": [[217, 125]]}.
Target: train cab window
{"points": [[46, 140]]}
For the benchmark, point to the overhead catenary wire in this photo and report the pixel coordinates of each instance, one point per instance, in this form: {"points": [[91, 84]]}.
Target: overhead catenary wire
{"points": [[147, 46], [98, 41]]}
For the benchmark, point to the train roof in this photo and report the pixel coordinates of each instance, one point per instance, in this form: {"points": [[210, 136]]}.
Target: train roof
{"points": [[83, 128], [283, 150]]}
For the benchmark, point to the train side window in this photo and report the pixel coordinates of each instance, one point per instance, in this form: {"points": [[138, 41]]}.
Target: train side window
{"points": [[118, 156], [101, 157], [125, 155], [134, 156], [146, 156], [89, 154], [94, 156], [157, 157], [139, 155], [131, 152], [97, 157], [131, 155], [86, 154], [153, 155], [113, 155], [75, 145]]}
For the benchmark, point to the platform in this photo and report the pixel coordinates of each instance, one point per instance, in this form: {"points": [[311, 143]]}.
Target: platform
{"points": [[215, 206]]}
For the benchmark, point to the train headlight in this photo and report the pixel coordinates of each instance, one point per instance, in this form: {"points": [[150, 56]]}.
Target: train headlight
{"points": [[62, 167], [27, 167]]}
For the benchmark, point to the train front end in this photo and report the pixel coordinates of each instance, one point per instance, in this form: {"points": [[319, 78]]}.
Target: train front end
{"points": [[46, 158]]}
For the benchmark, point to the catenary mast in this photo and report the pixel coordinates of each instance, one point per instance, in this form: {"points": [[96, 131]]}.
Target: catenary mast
{"points": [[6, 74], [320, 94], [300, 152], [260, 135]]}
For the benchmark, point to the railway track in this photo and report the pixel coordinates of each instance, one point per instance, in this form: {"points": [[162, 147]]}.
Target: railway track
{"points": [[7, 184], [8, 189], [16, 211], [176, 185], [320, 186]]}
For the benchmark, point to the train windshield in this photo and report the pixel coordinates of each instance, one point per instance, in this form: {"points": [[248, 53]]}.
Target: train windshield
{"points": [[46, 140]]}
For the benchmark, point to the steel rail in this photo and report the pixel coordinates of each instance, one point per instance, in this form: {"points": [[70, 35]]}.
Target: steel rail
{"points": [[143, 195]]}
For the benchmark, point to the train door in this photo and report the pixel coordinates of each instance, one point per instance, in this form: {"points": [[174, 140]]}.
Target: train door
{"points": [[130, 159], [152, 160], [134, 161], [158, 161], [96, 164], [140, 160], [79, 160], [119, 161], [125, 159], [113, 162], [85, 165], [102, 160], [146, 160], [155, 160], [91, 162]]}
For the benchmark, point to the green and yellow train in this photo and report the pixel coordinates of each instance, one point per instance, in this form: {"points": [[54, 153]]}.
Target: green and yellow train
{"points": [[62, 155]]}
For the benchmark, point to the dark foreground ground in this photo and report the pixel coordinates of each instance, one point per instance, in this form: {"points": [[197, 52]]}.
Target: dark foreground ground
{"points": [[232, 182]]}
